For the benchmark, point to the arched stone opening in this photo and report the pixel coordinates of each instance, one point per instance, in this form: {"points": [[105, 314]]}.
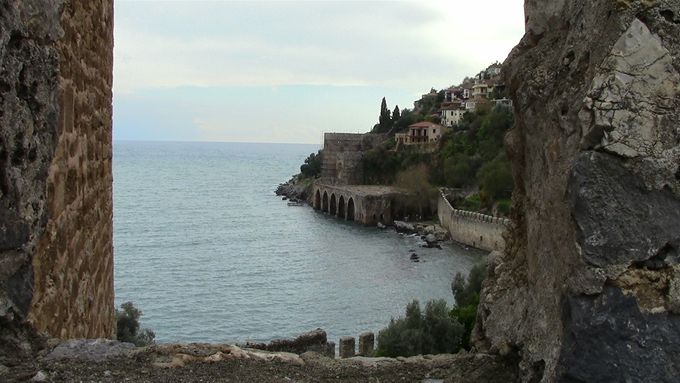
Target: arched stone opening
{"points": [[350, 209], [341, 207], [334, 206], [324, 202], [317, 200]]}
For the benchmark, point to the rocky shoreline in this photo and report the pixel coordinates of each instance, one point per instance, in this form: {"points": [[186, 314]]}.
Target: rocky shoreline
{"points": [[296, 189], [431, 234]]}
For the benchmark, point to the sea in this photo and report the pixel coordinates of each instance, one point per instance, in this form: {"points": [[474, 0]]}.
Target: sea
{"points": [[209, 253]]}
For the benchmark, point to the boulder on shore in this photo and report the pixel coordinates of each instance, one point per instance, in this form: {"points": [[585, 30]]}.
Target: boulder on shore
{"points": [[315, 340], [404, 227]]}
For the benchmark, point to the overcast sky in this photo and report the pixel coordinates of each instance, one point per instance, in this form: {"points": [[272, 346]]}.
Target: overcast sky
{"points": [[281, 71]]}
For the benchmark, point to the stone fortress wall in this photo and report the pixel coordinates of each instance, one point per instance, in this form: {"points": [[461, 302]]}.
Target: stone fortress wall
{"points": [[473, 229], [342, 156], [56, 252]]}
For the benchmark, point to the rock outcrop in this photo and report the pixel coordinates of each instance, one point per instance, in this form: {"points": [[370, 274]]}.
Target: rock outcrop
{"points": [[315, 341], [299, 189], [56, 254], [587, 288]]}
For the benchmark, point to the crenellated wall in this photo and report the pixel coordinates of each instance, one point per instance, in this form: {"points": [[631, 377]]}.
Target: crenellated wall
{"points": [[473, 229], [56, 252]]}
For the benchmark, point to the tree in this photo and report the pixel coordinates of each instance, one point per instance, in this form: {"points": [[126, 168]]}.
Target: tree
{"points": [[312, 165], [418, 332], [419, 193], [406, 118], [127, 326], [396, 114], [495, 178], [459, 170], [467, 293], [384, 122]]}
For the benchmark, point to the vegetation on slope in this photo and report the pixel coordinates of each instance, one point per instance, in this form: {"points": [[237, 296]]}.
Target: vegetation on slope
{"points": [[466, 293], [312, 166], [470, 156], [420, 333], [437, 329]]}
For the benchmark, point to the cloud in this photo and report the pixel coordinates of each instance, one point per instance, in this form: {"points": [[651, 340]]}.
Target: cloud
{"points": [[399, 44], [280, 71]]}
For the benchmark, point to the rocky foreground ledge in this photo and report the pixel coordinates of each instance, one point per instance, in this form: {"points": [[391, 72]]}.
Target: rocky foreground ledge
{"points": [[111, 361]]}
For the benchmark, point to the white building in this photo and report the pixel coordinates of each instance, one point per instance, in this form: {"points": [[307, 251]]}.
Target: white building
{"points": [[452, 114]]}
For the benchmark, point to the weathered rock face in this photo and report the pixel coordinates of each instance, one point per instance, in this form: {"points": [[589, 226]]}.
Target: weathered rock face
{"points": [[587, 288], [56, 256]]}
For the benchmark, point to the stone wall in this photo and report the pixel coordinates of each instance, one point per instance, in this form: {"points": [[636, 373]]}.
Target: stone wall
{"points": [[587, 287], [473, 229], [56, 252], [342, 154]]}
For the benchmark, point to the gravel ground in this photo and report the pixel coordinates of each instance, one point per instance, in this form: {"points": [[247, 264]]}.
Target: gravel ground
{"points": [[143, 366]]}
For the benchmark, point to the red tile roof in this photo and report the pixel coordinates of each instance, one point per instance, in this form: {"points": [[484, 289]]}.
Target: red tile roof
{"points": [[424, 125]]}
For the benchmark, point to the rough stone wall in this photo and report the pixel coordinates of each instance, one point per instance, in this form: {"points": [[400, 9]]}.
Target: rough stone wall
{"points": [[587, 287], [473, 229], [342, 154], [55, 166]]}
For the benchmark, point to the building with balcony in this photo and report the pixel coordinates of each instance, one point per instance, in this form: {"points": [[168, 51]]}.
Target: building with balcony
{"points": [[420, 133]]}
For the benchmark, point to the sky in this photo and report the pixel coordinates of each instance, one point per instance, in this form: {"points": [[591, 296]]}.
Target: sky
{"points": [[288, 71]]}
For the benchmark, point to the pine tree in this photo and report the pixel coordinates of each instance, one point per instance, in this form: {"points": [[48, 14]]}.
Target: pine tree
{"points": [[385, 122], [396, 114]]}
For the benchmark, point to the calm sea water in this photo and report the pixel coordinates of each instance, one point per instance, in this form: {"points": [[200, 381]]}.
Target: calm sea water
{"points": [[209, 253]]}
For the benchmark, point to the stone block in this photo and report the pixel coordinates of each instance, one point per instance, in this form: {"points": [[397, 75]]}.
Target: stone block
{"points": [[347, 347], [366, 344]]}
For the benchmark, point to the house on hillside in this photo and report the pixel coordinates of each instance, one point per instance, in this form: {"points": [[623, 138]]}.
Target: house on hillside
{"points": [[471, 106], [483, 89], [455, 93], [452, 113], [420, 133]]}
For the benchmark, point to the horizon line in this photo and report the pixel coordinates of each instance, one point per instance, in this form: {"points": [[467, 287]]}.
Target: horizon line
{"points": [[213, 142]]}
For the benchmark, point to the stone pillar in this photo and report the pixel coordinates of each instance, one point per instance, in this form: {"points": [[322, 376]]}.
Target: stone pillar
{"points": [[347, 347], [329, 351], [55, 175], [366, 344]]}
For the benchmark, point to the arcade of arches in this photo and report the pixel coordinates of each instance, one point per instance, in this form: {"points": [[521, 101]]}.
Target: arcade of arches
{"points": [[365, 204]]}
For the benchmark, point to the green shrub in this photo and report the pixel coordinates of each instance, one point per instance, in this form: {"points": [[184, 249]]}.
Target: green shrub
{"points": [[504, 206], [431, 332], [458, 170], [127, 326], [420, 196], [472, 203], [312, 165], [467, 293], [438, 329], [495, 178]]}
